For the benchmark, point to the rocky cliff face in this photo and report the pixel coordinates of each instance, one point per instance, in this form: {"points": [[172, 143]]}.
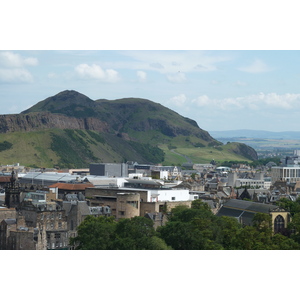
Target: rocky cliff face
{"points": [[45, 120], [246, 151]]}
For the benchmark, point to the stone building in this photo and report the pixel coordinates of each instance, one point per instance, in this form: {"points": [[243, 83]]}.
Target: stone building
{"points": [[77, 210], [244, 211], [122, 203], [40, 224]]}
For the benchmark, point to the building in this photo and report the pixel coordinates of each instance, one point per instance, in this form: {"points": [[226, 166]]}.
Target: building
{"points": [[289, 170], [109, 169], [67, 188], [244, 211], [285, 173], [77, 210]]}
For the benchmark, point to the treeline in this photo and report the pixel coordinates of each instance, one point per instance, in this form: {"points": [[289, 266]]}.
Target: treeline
{"points": [[195, 228], [256, 163]]}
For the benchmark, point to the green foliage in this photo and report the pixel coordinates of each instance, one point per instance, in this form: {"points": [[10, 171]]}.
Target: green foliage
{"points": [[104, 233], [135, 234], [95, 233], [264, 161], [96, 136], [232, 163], [197, 228], [152, 153], [262, 222], [5, 146], [72, 149], [292, 206], [199, 145]]}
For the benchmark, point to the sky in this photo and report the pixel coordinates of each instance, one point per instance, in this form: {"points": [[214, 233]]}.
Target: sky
{"points": [[225, 64], [219, 89]]}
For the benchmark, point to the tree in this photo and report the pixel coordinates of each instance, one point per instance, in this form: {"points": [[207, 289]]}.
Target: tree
{"points": [[135, 234], [262, 222], [228, 231], [95, 233], [104, 233], [191, 228], [292, 206]]}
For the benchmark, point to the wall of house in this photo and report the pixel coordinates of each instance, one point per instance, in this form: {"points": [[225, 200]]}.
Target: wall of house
{"points": [[128, 205], [170, 195], [21, 240], [7, 213]]}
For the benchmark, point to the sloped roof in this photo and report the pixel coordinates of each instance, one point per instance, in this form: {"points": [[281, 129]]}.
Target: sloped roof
{"points": [[228, 212], [4, 178], [71, 186], [249, 206], [10, 221]]}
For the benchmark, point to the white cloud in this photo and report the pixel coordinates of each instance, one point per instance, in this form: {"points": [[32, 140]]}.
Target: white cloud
{"points": [[13, 60], [176, 78], [96, 72], [258, 66], [12, 67], [202, 101], [259, 101], [15, 75], [142, 76], [179, 100], [168, 62]]}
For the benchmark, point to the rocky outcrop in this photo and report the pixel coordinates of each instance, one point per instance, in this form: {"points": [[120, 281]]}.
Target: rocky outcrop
{"points": [[45, 120], [245, 150]]}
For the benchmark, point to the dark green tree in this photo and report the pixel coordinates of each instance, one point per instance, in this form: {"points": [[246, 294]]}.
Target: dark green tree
{"points": [[136, 234], [95, 233]]}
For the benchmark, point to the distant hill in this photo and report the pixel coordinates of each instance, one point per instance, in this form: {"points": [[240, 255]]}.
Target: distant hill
{"points": [[71, 130], [259, 134]]}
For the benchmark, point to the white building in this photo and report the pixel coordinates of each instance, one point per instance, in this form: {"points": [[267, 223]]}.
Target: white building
{"points": [[286, 173]]}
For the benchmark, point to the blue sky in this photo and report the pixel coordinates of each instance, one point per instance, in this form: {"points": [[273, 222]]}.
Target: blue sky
{"points": [[221, 90]]}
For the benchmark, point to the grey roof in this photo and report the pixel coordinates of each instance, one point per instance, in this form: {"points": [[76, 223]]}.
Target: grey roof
{"points": [[144, 182], [224, 211], [211, 203], [243, 210], [67, 206], [247, 217], [237, 204], [84, 208], [10, 221]]}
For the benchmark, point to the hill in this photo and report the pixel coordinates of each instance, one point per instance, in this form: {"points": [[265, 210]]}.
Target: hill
{"points": [[71, 130], [258, 134]]}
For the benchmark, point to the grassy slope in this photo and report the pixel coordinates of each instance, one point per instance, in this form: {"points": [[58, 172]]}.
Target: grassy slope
{"points": [[201, 155], [77, 148]]}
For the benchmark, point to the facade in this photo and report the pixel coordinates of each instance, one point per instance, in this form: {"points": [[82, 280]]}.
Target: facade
{"points": [[286, 173], [289, 169], [109, 169], [128, 203]]}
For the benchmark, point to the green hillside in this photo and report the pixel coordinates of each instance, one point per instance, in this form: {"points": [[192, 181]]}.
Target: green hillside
{"points": [[69, 130]]}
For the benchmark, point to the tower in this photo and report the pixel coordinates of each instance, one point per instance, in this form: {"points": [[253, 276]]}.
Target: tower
{"points": [[12, 192]]}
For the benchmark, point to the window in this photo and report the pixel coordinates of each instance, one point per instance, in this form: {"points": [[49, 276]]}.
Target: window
{"points": [[122, 213], [278, 224], [173, 198]]}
